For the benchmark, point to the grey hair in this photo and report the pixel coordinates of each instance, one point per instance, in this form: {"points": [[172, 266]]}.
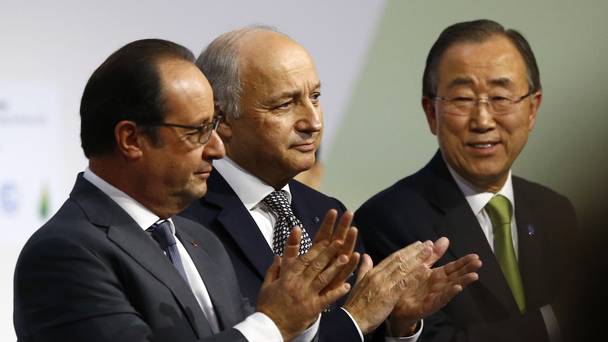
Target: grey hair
{"points": [[220, 64]]}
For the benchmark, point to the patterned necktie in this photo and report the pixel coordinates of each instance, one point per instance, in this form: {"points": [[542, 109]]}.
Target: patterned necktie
{"points": [[500, 212], [162, 233], [286, 221]]}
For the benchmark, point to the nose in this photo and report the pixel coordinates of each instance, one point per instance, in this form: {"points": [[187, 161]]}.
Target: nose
{"points": [[311, 118], [481, 119], [214, 149]]}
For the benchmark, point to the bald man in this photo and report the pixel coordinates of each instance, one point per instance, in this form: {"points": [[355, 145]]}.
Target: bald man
{"points": [[267, 90]]}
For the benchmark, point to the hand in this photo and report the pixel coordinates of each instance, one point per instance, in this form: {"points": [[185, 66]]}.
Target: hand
{"points": [[297, 288], [377, 289], [428, 290]]}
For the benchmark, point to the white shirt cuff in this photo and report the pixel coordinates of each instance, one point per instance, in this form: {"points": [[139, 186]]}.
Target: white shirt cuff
{"points": [[354, 322], [412, 338], [258, 327], [551, 323], [310, 333]]}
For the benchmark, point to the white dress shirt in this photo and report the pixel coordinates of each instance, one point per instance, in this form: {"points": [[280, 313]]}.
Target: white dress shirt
{"points": [[251, 191], [477, 201], [256, 327]]}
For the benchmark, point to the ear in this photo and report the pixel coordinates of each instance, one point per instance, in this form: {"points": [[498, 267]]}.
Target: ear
{"points": [[535, 101], [225, 128], [431, 116], [127, 139]]}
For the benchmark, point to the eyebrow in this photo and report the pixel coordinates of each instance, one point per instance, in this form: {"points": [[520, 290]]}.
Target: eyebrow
{"points": [[293, 93], [501, 82], [460, 81]]}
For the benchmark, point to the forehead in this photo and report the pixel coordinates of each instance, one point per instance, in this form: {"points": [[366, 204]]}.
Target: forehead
{"points": [[495, 61], [270, 62], [186, 92]]}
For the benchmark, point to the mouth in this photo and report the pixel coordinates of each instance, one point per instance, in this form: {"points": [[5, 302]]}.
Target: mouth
{"points": [[204, 172], [306, 146], [484, 147]]}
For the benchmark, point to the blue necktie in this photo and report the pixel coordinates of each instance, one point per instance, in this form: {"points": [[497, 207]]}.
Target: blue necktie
{"points": [[162, 233]]}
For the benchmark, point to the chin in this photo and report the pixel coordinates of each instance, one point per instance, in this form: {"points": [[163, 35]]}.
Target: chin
{"points": [[197, 192], [304, 166]]}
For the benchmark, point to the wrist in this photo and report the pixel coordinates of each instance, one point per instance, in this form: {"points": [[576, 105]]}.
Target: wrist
{"points": [[402, 327], [361, 324]]}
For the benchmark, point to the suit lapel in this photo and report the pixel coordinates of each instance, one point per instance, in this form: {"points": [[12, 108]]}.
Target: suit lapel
{"points": [[530, 256], [459, 224], [303, 211], [239, 224], [208, 268], [132, 239]]}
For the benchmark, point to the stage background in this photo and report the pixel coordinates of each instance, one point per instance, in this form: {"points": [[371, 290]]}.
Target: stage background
{"points": [[370, 56]]}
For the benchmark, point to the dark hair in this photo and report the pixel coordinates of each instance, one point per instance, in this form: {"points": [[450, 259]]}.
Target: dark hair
{"points": [[126, 86], [476, 31]]}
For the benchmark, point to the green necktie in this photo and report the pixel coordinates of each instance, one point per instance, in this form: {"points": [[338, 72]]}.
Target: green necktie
{"points": [[499, 210]]}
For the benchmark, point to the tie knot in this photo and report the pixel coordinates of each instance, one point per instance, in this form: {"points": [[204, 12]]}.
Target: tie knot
{"points": [[277, 202], [162, 233], [499, 210]]}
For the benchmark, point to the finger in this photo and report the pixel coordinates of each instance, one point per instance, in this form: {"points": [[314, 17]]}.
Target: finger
{"points": [[292, 245], [294, 266], [350, 241], [343, 226], [448, 294], [333, 295], [331, 274], [273, 271], [346, 273], [466, 264], [467, 279], [321, 261], [437, 300], [439, 248], [464, 276], [366, 265], [402, 262], [327, 226]]}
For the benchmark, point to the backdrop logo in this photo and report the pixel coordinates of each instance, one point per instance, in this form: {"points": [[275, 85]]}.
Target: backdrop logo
{"points": [[43, 203], [9, 198]]}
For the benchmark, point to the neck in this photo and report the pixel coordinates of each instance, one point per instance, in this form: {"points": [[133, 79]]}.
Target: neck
{"points": [[129, 181], [275, 180]]}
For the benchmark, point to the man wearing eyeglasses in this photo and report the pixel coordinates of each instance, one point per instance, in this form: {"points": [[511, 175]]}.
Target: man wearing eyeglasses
{"points": [[481, 93], [115, 263], [267, 88]]}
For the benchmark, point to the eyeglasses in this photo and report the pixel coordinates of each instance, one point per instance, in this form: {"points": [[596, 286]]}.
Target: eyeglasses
{"points": [[198, 134], [497, 104]]}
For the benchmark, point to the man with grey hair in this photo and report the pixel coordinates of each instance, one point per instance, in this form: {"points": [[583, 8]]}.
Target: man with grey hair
{"points": [[481, 92], [116, 264], [267, 90]]}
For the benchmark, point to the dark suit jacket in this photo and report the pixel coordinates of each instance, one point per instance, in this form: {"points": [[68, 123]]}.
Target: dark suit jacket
{"points": [[429, 204], [92, 274], [224, 214]]}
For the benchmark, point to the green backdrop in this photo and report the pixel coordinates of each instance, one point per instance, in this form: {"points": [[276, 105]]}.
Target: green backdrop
{"points": [[384, 136]]}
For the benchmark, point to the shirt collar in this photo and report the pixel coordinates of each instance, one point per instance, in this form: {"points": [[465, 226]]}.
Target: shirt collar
{"points": [[478, 199], [140, 214], [250, 189]]}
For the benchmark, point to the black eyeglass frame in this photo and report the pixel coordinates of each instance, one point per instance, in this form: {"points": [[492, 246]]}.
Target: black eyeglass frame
{"points": [[487, 101], [204, 130]]}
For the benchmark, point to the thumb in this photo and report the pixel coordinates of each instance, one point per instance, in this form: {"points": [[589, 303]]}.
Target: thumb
{"points": [[273, 271], [366, 265]]}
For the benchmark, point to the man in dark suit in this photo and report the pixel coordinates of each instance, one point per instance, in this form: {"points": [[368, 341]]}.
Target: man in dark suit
{"points": [[267, 89], [481, 92], [114, 264]]}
